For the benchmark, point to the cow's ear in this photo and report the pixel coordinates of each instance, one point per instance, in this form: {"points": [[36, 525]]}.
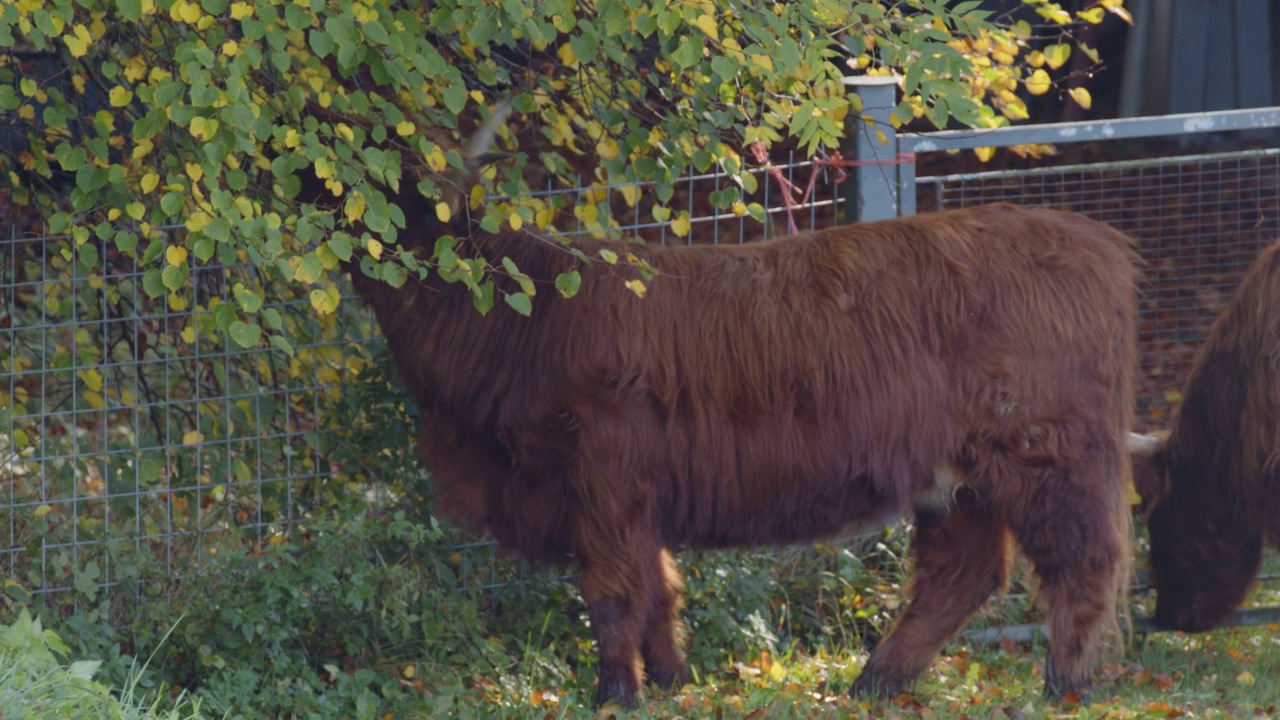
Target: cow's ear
{"points": [[1150, 478]]}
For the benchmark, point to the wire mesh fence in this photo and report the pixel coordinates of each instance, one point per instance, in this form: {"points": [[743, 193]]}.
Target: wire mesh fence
{"points": [[1199, 220], [130, 422]]}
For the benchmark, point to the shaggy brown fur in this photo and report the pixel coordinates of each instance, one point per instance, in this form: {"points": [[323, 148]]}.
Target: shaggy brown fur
{"points": [[1209, 486], [973, 364]]}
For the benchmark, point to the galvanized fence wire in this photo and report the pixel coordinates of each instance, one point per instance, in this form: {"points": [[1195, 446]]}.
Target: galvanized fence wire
{"points": [[127, 424], [1199, 222]]}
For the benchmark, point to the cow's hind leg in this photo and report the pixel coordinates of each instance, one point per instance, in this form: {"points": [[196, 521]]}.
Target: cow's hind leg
{"points": [[661, 646], [1068, 531], [960, 559]]}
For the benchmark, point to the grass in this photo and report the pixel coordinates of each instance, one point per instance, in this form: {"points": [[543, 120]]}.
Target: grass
{"points": [[308, 629], [1227, 673], [37, 684]]}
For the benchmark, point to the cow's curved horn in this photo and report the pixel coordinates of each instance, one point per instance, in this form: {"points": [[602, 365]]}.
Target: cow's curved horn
{"points": [[1144, 445], [476, 156]]}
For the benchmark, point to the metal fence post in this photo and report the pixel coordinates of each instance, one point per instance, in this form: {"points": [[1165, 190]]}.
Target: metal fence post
{"points": [[871, 192]]}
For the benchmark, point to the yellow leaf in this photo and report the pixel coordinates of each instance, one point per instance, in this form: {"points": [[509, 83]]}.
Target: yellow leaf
{"points": [[567, 58], [92, 378], [241, 10], [189, 335], [175, 254], [135, 210], [292, 138], [1055, 56], [325, 301], [405, 129], [198, 221], [78, 41], [194, 171], [344, 131], [128, 399], [354, 207], [637, 287], [515, 220], [984, 153], [544, 217], [1131, 495], [436, 160], [93, 399], [177, 303], [135, 69], [1081, 96], [1039, 82], [119, 97], [1093, 15], [113, 214], [409, 671], [1016, 110], [1245, 678], [763, 61], [707, 24], [631, 194], [1035, 58], [190, 13], [443, 211], [375, 249], [192, 437], [231, 48], [1054, 14], [43, 510], [608, 149], [149, 182], [681, 225], [1116, 7]]}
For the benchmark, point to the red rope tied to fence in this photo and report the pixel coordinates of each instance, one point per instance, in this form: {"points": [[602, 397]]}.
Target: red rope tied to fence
{"points": [[835, 161]]}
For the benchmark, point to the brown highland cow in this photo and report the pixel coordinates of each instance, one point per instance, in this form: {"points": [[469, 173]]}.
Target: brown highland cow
{"points": [[1209, 486], [973, 367]]}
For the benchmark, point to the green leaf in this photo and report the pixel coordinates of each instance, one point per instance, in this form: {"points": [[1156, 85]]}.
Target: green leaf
{"points": [[283, 344], [568, 283], [689, 52], [224, 316], [174, 277], [271, 317], [203, 248], [249, 301], [126, 242], [152, 283], [482, 297], [519, 302], [245, 334], [320, 41]]}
